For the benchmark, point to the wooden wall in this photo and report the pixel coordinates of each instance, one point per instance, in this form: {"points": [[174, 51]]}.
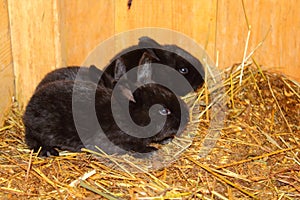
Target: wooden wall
{"points": [[36, 44], [50, 34], [6, 64]]}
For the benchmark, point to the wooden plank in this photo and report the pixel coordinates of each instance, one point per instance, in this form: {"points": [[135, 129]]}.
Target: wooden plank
{"points": [[85, 25], [143, 14], [146, 13], [280, 52], [35, 46], [196, 19], [72, 30], [179, 16], [50, 34], [6, 67]]}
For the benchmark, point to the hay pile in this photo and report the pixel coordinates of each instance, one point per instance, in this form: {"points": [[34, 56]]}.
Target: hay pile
{"points": [[257, 155]]}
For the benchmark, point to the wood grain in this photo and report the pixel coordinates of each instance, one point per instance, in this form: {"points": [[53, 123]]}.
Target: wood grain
{"points": [[50, 34], [6, 65], [281, 49], [84, 25], [35, 43]]}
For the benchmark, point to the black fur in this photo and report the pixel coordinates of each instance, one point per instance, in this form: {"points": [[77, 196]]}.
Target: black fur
{"points": [[169, 55], [49, 122], [91, 74]]}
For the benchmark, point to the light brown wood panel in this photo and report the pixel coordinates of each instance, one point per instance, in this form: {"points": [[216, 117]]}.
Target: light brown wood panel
{"points": [[36, 44], [6, 65], [186, 17], [196, 19], [50, 34], [85, 24], [281, 49], [231, 32], [145, 13]]}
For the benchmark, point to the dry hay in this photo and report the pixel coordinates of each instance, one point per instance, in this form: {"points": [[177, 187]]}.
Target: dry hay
{"points": [[257, 154]]}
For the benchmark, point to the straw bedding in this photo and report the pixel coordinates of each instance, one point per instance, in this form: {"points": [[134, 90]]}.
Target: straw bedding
{"points": [[255, 156]]}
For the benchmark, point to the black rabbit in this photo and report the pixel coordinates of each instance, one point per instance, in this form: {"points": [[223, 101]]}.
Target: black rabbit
{"points": [[78, 73], [169, 55], [66, 114]]}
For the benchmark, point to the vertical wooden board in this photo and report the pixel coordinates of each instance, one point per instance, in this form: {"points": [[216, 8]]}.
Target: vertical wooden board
{"points": [[85, 24], [6, 66], [231, 32], [48, 34], [143, 14], [35, 47], [281, 48], [146, 13], [6, 90], [196, 19]]}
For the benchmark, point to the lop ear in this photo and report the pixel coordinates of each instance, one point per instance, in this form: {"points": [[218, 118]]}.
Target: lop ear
{"points": [[144, 72]]}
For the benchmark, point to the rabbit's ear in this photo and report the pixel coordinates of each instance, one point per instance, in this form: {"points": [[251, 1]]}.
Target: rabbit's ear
{"points": [[124, 85], [151, 54], [127, 93], [144, 72], [120, 69], [122, 92]]}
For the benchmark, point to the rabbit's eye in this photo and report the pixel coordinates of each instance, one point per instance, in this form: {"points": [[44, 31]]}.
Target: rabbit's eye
{"points": [[183, 70], [164, 111]]}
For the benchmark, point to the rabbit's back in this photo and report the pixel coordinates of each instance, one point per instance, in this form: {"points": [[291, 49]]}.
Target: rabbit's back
{"points": [[49, 120], [77, 73]]}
